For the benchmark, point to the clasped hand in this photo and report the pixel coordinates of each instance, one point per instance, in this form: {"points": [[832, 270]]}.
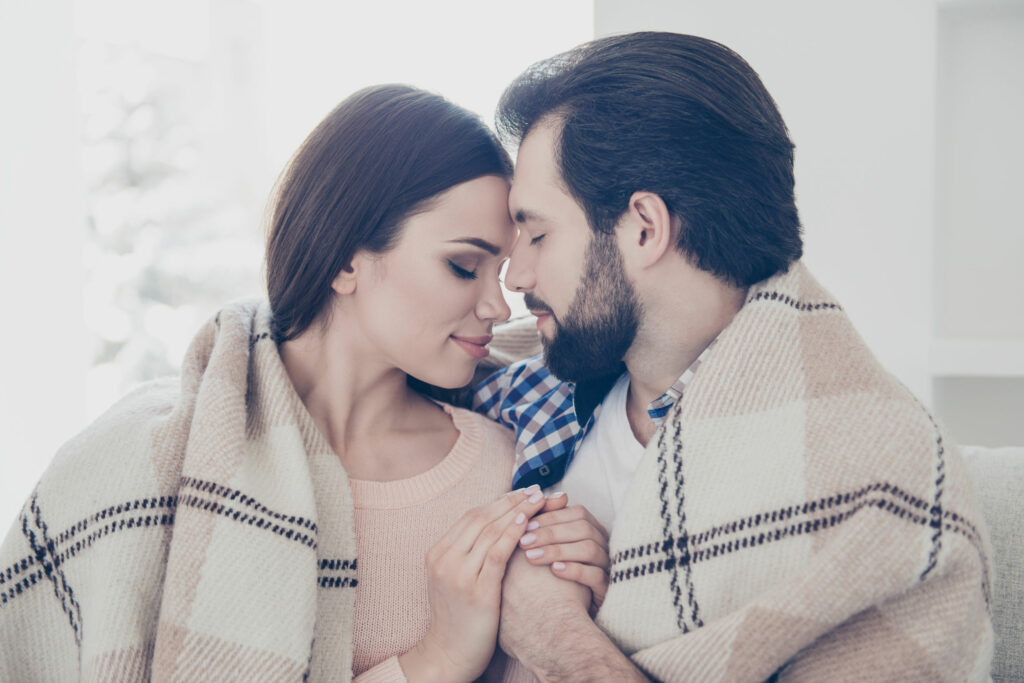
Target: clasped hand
{"points": [[466, 567]]}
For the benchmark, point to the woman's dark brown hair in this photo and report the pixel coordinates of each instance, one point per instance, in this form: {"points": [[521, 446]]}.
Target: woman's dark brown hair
{"points": [[378, 158]]}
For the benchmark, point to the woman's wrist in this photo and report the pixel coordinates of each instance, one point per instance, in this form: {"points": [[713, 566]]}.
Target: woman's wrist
{"points": [[426, 663]]}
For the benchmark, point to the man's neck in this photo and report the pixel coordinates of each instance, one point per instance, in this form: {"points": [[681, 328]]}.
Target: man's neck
{"points": [[670, 339]]}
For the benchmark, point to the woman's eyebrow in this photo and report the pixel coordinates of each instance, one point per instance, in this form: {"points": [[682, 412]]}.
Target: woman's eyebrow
{"points": [[491, 249]]}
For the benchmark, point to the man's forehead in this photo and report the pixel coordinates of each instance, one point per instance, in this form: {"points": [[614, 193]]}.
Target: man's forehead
{"points": [[537, 174], [537, 148]]}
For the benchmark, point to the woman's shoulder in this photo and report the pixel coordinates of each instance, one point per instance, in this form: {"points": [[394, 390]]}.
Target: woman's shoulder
{"points": [[132, 449]]}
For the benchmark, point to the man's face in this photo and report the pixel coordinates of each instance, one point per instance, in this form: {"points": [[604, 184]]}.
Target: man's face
{"points": [[587, 310]]}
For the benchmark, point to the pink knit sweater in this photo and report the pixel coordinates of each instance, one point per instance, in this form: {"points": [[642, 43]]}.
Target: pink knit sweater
{"points": [[396, 522]]}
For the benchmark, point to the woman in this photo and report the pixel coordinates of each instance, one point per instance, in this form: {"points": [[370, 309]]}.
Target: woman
{"points": [[210, 528]]}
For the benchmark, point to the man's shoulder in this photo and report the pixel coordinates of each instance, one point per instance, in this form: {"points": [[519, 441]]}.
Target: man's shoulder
{"points": [[524, 382]]}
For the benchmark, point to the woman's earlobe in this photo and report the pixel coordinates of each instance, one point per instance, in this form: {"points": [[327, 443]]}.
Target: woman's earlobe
{"points": [[345, 281]]}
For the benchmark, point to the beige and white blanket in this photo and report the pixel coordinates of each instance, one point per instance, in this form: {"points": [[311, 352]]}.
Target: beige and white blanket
{"points": [[800, 512], [200, 531], [799, 515]]}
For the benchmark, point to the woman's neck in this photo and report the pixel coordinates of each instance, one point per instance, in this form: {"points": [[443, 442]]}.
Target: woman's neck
{"points": [[364, 407]]}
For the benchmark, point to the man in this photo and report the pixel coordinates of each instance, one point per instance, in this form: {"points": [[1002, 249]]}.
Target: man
{"points": [[780, 505]]}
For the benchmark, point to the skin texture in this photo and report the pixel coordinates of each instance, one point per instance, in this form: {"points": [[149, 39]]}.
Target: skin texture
{"points": [[411, 300]]}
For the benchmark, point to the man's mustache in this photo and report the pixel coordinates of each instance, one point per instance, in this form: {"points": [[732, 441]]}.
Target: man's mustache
{"points": [[535, 304]]}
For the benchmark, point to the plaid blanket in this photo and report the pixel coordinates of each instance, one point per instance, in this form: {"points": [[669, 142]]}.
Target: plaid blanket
{"points": [[798, 515], [193, 532]]}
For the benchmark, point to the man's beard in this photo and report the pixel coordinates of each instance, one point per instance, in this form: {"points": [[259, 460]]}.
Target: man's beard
{"points": [[601, 323]]}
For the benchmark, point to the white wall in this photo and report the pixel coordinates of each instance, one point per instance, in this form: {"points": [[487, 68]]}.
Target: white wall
{"points": [[855, 83], [42, 350], [980, 229], [272, 70]]}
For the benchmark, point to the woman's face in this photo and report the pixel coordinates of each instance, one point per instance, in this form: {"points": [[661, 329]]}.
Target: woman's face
{"points": [[427, 305]]}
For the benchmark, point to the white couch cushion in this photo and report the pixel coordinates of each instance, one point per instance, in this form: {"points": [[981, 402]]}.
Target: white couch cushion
{"points": [[999, 476]]}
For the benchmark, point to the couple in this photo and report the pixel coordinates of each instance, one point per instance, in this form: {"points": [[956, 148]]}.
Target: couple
{"points": [[752, 496]]}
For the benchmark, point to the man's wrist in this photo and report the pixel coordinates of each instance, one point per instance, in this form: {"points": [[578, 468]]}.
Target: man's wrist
{"points": [[590, 654]]}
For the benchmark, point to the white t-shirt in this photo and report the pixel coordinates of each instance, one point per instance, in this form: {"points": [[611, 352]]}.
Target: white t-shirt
{"points": [[602, 468]]}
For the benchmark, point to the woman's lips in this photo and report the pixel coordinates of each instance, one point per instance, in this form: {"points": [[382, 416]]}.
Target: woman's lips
{"points": [[474, 346]]}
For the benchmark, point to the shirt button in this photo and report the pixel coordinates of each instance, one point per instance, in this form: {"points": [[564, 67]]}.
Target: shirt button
{"points": [[544, 470]]}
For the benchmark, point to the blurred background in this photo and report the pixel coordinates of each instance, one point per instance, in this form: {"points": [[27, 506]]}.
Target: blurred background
{"points": [[140, 139]]}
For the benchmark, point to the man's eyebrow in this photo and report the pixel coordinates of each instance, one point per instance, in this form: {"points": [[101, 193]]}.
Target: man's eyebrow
{"points": [[524, 215], [492, 249]]}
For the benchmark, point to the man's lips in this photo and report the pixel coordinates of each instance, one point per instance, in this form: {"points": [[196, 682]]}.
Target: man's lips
{"points": [[541, 315], [474, 346]]}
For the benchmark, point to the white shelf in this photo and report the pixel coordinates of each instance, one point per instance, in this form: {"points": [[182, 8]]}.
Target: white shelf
{"points": [[976, 358]]}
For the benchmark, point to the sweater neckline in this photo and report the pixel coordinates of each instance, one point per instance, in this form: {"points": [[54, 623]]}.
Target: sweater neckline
{"points": [[428, 485]]}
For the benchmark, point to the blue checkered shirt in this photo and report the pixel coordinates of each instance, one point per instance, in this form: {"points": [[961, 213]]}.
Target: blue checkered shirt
{"points": [[551, 417]]}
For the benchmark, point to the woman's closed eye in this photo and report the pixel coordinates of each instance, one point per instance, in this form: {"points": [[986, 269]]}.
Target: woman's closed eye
{"points": [[461, 272], [536, 240]]}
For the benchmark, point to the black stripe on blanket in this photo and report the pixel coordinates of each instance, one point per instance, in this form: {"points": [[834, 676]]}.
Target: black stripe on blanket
{"points": [[37, 534], [687, 615], [346, 569], [252, 520], [166, 504], [18, 569], [239, 497], [936, 509], [795, 303], [785, 522]]}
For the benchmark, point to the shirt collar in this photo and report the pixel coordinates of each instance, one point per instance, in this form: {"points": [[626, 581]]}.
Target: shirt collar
{"points": [[659, 407]]}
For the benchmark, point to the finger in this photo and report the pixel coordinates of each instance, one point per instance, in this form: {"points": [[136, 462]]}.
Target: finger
{"points": [[571, 513], [594, 578], [555, 501], [496, 544], [584, 552], [568, 532], [462, 535], [485, 529]]}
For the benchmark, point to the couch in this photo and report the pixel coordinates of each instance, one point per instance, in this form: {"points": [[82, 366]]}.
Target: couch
{"points": [[999, 478]]}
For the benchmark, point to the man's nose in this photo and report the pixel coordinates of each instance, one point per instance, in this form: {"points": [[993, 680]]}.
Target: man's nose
{"points": [[519, 275]]}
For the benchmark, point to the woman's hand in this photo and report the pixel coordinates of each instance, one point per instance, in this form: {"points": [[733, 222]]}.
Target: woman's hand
{"points": [[464, 573], [572, 542]]}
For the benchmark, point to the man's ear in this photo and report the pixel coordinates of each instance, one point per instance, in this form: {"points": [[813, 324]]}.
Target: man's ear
{"points": [[346, 279], [649, 232]]}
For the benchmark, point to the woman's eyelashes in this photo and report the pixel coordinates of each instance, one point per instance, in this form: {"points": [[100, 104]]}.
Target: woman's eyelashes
{"points": [[536, 240], [461, 272]]}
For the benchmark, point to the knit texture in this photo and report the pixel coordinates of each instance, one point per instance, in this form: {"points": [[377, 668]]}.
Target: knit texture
{"points": [[396, 522], [799, 513], [201, 531]]}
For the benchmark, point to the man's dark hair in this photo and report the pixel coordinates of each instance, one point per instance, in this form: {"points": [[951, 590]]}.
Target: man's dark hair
{"points": [[680, 116], [381, 156]]}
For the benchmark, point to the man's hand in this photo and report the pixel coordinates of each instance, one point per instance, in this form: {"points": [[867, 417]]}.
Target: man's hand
{"points": [[573, 543], [545, 625], [534, 603]]}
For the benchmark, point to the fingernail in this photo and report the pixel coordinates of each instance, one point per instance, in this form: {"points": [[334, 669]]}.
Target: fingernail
{"points": [[557, 494], [534, 524], [532, 488], [527, 539], [535, 553], [558, 565], [536, 498], [520, 518]]}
